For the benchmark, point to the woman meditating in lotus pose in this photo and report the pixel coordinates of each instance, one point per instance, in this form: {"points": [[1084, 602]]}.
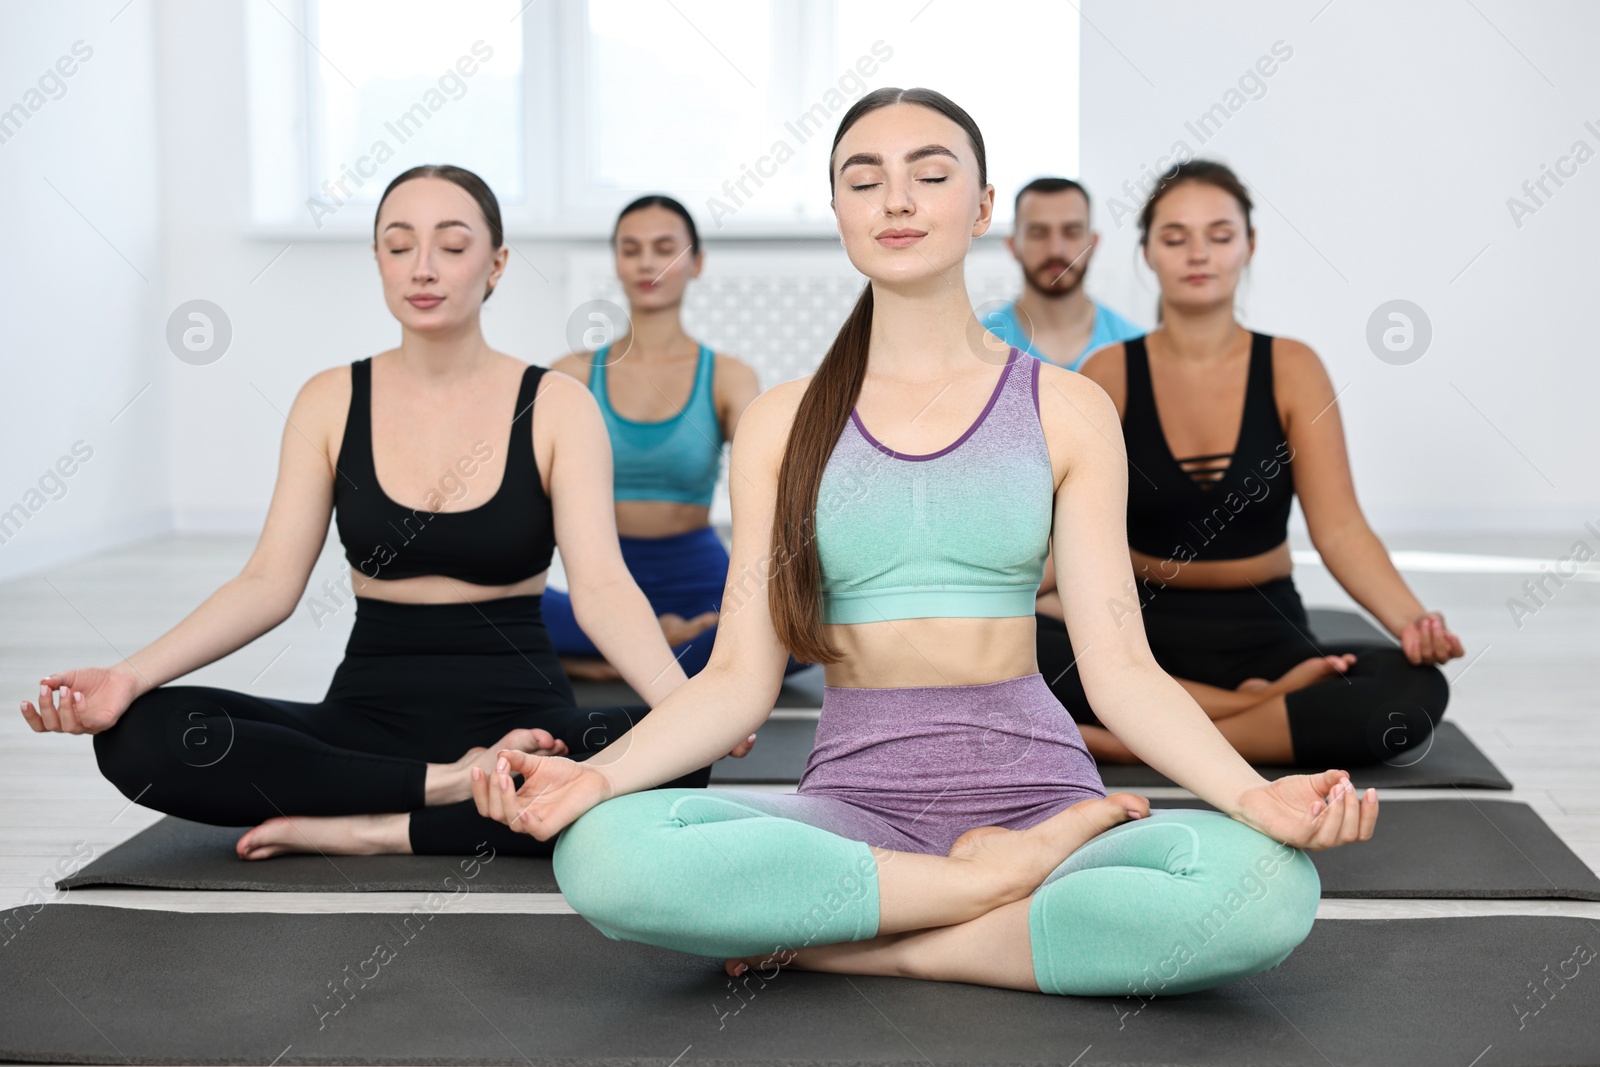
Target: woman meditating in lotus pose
{"points": [[487, 464], [1208, 533], [666, 454], [891, 518]]}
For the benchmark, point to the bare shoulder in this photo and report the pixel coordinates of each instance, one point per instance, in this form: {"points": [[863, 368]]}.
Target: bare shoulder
{"points": [[1295, 360], [732, 370], [1078, 416], [323, 402], [575, 365], [1062, 391], [764, 427], [564, 390], [327, 387], [1299, 376], [1107, 367]]}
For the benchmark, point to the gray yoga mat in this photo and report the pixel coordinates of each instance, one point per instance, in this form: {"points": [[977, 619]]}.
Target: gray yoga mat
{"points": [[104, 985], [1451, 759], [178, 854], [803, 689], [1423, 848], [1479, 849], [1336, 626]]}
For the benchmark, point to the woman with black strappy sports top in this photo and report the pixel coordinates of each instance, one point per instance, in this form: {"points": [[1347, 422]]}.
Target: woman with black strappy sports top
{"points": [[454, 471], [1208, 531]]}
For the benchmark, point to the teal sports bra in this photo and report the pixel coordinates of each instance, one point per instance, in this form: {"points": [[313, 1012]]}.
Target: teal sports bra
{"points": [[958, 533], [675, 460]]}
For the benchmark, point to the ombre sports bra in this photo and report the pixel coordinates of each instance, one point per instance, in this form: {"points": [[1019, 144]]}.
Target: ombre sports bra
{"points": [[508, 538], [675, 460], [958, 533], [1206, 511]]}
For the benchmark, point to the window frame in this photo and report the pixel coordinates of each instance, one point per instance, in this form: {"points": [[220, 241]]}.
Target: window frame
{"points": [[560, 204]]}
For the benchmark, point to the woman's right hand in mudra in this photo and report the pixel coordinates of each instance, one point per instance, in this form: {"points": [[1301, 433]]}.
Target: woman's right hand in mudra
{"points": [[555, 791], [85, 701]]}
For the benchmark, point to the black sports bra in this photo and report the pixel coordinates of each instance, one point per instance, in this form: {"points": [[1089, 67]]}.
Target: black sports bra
{"points": [[1207, 512], [508, 538]]}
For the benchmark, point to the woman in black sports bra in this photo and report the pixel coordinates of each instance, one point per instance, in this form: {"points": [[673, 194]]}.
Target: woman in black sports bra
{"points": [[1207, 528], [440, 459]]}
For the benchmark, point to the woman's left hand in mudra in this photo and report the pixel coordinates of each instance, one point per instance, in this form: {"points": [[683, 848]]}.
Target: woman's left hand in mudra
{"points": [[1426, 639], [1311, 811]]}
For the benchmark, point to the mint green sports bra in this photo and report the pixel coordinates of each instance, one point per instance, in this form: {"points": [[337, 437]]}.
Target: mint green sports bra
{"points": [[958, 533]]}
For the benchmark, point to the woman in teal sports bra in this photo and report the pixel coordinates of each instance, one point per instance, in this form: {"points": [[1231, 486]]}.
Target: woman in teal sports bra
{"points": [[898, 505], [666, 454]]}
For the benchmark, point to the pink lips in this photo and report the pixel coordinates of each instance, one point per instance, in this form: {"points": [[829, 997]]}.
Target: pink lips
{"points": [[900, 238], [424, 301]]}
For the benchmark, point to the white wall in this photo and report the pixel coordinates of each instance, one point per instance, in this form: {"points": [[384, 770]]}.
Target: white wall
{"points": [[80, 284], [1383, 150]]}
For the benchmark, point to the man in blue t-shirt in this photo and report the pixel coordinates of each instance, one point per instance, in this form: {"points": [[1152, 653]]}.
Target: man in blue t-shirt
{"points": [[1054, 319]]}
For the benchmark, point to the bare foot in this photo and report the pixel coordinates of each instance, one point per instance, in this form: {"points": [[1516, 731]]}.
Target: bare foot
{"points": [[538, 741], [1021, 859], [589, 669], [1312, 671], [338, 835], [676, 629], [448, 783]]}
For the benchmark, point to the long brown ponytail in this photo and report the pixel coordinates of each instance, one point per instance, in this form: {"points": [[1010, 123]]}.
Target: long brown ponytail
{"points": [[819, 420]]}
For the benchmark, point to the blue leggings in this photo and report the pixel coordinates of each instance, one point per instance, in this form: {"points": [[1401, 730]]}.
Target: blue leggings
{"points": [[683, 574], [1180, 901]]}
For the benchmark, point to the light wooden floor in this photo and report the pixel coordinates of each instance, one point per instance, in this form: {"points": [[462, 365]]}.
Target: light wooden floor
{"points": [[1528, 697]]}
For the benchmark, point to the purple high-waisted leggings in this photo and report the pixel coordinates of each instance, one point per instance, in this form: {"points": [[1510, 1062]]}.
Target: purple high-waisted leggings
{"points": [[913, 768]]}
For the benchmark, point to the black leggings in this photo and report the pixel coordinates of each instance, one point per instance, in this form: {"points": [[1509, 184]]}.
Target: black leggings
{"points": [[1382, 708], [419, 684]]}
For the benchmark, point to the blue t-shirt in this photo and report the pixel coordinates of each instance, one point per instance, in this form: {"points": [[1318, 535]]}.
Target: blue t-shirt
{"points": [[1109, 328]]}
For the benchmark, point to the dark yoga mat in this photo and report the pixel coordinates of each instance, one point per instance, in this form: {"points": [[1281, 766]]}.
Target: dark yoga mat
{"points": [[1451, 759], [1480, 849], [778, 757], [105, 985], [1423, 848], [803, 689], [1335, 626], [178, 854]]}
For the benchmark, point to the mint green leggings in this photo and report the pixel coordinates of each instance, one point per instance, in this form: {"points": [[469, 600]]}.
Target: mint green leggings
{"points": [[1179, 901]]}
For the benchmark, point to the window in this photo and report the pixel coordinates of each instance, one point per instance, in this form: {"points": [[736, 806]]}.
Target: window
{"points": [[571, 109], [345, 94]]}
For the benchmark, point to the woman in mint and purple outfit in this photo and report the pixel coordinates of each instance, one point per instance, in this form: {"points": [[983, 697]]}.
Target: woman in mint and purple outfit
{"points": [[897, 506]]}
